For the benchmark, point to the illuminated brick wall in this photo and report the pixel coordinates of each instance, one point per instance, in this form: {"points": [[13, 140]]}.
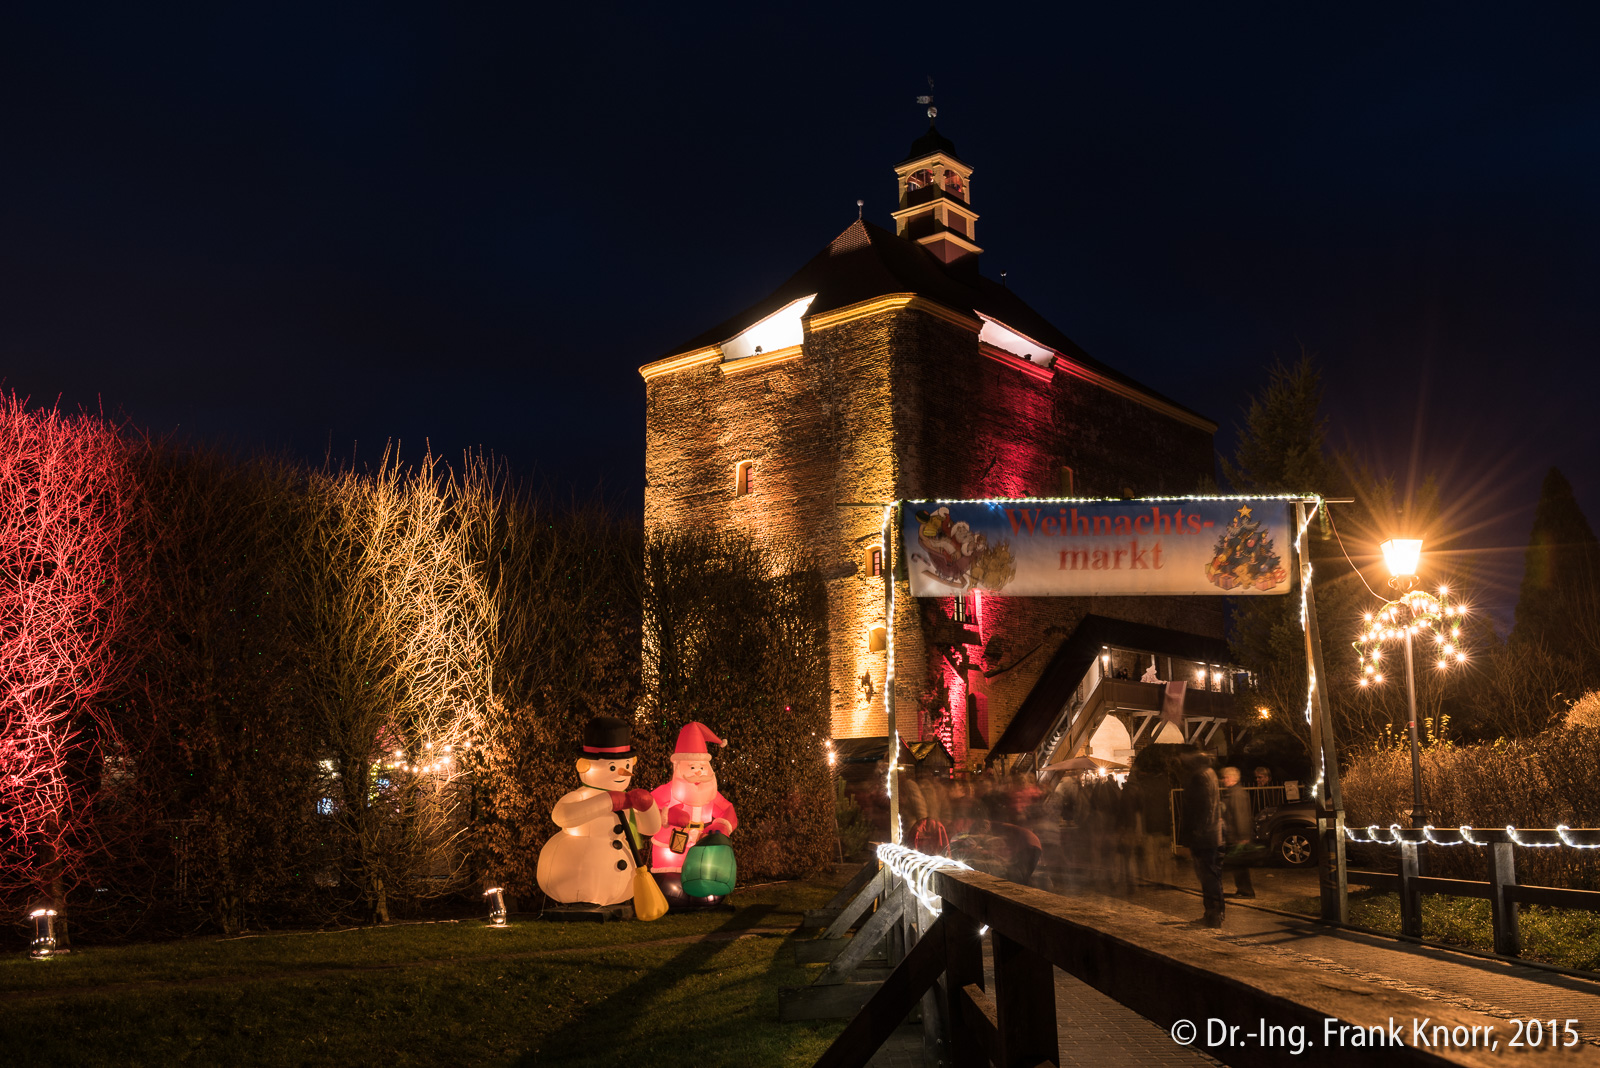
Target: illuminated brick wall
{"points": [[902, 404]]}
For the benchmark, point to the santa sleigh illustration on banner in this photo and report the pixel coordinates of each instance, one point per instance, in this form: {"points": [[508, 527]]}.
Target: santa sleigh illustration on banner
{"points": [[959, 556]]}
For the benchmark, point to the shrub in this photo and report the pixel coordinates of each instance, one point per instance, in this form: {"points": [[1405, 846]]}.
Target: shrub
{"points": [[1537, 783]]}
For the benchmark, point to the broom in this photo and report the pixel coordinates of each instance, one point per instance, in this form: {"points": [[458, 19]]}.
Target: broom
{"points": [[648, 901]]}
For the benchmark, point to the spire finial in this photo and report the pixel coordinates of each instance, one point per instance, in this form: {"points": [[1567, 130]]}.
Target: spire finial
{"points": [[933, 112], [860, 204]]}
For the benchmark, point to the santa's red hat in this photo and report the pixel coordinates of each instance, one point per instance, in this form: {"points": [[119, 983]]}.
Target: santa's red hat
{"points": [[692, 742]]}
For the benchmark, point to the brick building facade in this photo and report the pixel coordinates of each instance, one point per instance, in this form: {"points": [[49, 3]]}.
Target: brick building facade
{"points": [[889, 368]]}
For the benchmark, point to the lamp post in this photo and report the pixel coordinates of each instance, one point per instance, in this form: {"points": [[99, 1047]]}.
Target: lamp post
{"points": [[1401, 556]]}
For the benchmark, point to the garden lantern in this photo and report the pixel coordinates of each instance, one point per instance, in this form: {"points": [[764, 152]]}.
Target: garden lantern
{"points": [[1401, 555], [497, 905], [44, 933], [708, 867]]}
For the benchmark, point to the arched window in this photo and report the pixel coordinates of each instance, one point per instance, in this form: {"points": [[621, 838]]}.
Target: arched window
{"points": [[919, 179], [877, 638], [954, 184]]}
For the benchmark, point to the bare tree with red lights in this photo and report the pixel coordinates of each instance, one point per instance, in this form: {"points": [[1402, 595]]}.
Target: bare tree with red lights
{"points": [[67, 498]]}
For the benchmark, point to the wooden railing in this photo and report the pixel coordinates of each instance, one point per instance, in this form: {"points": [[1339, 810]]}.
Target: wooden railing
{"points": [[1168, 975], [1501, 890]]}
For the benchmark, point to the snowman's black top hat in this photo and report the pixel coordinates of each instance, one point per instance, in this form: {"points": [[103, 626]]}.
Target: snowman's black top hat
{"points": [[607, 738]]}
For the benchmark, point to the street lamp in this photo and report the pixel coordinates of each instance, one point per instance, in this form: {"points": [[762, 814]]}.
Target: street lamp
{"points": [[1401, 556]]}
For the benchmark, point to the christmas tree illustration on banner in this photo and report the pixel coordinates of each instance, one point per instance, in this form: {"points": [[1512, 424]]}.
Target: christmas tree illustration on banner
{"points": [[1244, 558]]}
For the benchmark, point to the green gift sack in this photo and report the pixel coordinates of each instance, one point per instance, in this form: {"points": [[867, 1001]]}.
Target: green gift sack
{"points": [[708, 867]]}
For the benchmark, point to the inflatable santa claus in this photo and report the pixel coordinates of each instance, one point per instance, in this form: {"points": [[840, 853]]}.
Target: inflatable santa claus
{"points": [[691, 808], [590, 858]]}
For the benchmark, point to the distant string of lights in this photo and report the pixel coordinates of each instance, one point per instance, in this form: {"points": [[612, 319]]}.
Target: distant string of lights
{"points": [[440, 762], [1290, 498], [1561, 831]]}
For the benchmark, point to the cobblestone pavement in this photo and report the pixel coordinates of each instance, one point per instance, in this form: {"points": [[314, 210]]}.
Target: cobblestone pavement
{"points": [[1097, 1031], [903, 1050]]}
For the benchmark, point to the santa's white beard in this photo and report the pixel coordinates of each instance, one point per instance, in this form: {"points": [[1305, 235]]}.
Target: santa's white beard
{"points": [[693, 793]]}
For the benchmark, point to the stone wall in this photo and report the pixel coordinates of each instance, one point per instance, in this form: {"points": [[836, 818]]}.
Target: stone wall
{"points": [[903, 404]]}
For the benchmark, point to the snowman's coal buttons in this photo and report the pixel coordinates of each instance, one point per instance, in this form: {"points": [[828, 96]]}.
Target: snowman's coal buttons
{"points": [[622, 865], [617, 829], [616, 843]]}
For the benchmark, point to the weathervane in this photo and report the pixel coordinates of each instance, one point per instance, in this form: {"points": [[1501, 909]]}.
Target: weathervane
{"points": [[933, 112]]}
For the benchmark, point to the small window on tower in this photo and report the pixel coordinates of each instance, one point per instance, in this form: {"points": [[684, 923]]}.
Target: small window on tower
{"points": [[875, 561], [920, 180], [953, 184], [877, 638], [744, 478], [964, 610]]}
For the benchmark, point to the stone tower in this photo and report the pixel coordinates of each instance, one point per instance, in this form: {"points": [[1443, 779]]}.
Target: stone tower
{"points": [[889, 368]]}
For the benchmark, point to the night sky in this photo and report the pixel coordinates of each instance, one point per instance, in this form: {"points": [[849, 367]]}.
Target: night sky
{"points": [[328, 227]]}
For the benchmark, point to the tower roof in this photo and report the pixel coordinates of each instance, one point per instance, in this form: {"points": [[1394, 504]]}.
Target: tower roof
{"points": [[867, 261], [930, 143]]}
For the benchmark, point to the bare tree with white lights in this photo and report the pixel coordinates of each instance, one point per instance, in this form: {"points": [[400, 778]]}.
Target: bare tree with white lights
{"points": [[394, 620]]}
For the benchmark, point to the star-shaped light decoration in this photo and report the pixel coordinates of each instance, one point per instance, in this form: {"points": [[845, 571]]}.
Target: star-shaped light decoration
{"points": [[1420, 614]]}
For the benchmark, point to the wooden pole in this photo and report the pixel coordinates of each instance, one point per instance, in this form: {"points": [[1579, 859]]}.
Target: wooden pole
{"points": [[1330, 820], [889, 563]]}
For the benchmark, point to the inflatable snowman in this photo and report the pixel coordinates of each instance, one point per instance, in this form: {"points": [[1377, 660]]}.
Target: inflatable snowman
{"points": [[590, 859], [691, 808]]}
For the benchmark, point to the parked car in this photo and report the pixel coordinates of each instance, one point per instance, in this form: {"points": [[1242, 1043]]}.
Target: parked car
{"points": [[1289, 831]]}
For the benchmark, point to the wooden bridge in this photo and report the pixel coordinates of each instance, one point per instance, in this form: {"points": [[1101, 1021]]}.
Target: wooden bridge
{"points": [[1166, 972]]}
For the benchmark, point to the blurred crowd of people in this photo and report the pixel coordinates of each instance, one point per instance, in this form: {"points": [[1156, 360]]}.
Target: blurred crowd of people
{"points": [[1095, 830]]}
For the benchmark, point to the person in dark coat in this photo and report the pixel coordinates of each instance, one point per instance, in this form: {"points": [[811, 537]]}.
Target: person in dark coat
{"points": [[1237, 829], [1201, 831]]}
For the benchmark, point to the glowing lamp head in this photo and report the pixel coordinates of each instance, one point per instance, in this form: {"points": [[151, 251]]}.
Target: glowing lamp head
{"points": [[44, 933], [496, 897], [1401, 555]]}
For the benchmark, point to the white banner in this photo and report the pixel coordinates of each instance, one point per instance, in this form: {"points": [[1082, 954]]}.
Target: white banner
{"points": [[1054, 548]]}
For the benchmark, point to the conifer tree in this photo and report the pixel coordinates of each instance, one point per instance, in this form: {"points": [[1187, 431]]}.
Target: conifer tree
{"points": [[1280, 449], [1561, 580]]}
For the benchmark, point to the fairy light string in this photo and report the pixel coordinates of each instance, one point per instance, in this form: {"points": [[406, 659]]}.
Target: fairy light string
{"points": [[1305, 623], [1563, 832], [918, 871]]}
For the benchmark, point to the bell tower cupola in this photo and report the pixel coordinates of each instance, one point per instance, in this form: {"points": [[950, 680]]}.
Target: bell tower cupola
{"points": [[935, 202]]}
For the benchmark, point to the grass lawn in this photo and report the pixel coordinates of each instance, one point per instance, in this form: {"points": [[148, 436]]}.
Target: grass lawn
{"points": [[1566, 937], [536, 993]]}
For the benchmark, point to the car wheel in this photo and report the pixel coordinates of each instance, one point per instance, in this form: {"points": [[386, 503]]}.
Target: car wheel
{"points": [[1295, 848]]}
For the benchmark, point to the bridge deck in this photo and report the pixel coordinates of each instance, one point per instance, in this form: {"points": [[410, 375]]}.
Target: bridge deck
{"points": [[1096, 1030]]}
